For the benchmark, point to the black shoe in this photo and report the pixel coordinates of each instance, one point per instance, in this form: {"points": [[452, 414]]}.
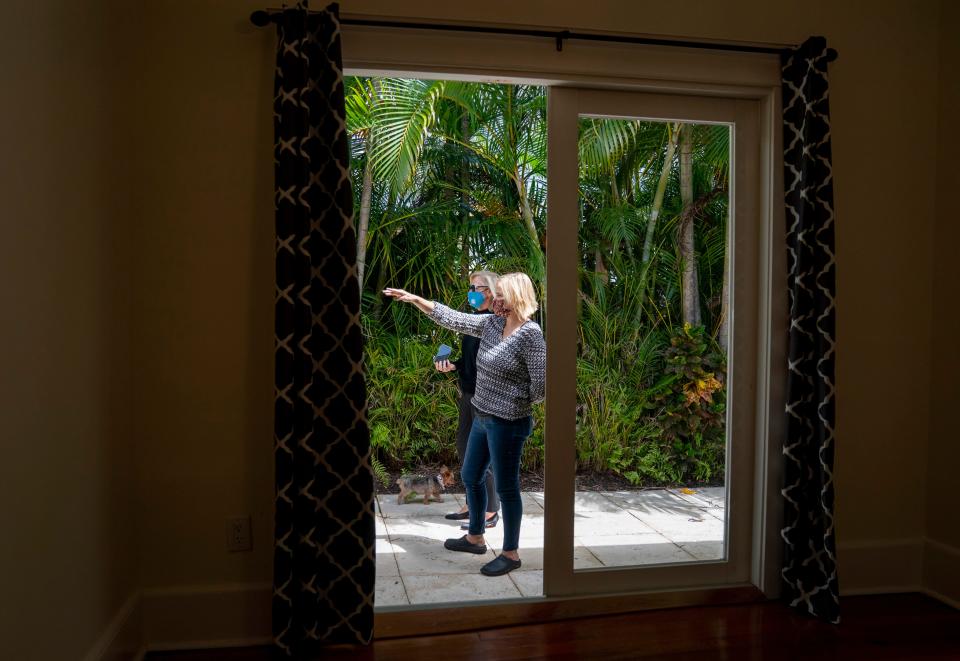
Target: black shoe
{"points": [[463, 544], [457, 516], [489, 523], [500, 566]]}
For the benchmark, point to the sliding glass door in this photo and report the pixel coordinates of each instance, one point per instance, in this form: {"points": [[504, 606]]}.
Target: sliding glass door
{"points": [[642, 469], [652, 334]]}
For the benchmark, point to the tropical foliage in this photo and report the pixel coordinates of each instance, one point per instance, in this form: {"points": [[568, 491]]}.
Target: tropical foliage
{"points": [[450, 177]]}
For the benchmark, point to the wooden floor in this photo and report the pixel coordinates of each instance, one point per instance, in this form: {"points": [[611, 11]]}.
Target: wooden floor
{"points": [[909, 626]]}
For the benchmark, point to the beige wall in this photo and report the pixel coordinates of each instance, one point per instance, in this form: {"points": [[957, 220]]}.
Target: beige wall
{"points": [[203, 316], [944, 455], [68, 552], [204, 306]]}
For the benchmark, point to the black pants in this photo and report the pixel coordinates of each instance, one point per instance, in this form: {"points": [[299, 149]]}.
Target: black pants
{"points": [[463, 433]]}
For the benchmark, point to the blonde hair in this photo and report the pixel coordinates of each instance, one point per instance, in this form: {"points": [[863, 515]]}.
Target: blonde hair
{"points": [[518, 294], [489, 279]]}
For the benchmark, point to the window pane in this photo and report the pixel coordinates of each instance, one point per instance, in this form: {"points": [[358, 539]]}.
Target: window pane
{"points": [[652, 347]]}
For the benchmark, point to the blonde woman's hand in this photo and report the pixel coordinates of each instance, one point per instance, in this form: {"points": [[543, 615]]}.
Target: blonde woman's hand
{"points": [[401, 295], [404, 296]]}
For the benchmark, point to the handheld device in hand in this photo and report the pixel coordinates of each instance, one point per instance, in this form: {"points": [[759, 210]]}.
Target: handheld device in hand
{"points": [[443, 353]]}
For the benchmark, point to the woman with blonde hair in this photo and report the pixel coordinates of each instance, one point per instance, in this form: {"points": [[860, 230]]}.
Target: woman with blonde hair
{"points": [[511, 372]]}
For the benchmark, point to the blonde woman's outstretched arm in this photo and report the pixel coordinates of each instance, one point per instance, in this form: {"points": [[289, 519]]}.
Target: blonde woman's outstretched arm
{"points": [[468, 324], [404, 296]]}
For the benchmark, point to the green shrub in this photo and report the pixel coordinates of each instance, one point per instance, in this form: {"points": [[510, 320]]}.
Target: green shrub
{"points": [[657, 419], [688, 405], [412, 408], [670, 431], [532, 459], [380, 471], [469, 192]]}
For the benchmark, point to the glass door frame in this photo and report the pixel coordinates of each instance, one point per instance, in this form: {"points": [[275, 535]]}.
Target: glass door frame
{"points": [[710, 76], [566, 105]]}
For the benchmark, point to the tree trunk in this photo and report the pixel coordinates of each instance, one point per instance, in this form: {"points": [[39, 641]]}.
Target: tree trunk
{"points": [[539, 265], [723, 332], [690, 293], [601, 267], [615, 200], [464, 200], [614, 191], [382, 270], [366, 192], [377, 312], [658, 196], [364, 225]]}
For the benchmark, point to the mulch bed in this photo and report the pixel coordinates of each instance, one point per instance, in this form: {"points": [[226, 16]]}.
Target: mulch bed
{"points": [[531, 481]]}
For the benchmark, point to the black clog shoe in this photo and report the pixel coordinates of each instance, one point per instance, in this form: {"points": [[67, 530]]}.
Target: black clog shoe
{"points": [[499, 566], [465, 545], [489, 523]]}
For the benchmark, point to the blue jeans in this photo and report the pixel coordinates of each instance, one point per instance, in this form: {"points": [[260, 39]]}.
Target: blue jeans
{"points": [[497, 443]]}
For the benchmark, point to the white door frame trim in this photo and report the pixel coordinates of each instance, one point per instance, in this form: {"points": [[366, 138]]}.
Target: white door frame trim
{"points": [[509, 59], [566, 106]]}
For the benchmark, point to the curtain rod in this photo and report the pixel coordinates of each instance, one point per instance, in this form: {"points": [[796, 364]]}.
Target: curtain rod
{"points": [[263, 18]]}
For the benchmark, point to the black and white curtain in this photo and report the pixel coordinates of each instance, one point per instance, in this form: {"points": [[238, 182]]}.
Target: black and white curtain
{"points": [[810, 560], [324, 546]]}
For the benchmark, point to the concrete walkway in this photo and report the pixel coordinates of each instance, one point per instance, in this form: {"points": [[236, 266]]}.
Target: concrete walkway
{"points": [[612, 529]]}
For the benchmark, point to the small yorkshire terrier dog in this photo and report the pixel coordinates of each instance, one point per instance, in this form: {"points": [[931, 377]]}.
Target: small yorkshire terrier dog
{"points": [[428, 487]]}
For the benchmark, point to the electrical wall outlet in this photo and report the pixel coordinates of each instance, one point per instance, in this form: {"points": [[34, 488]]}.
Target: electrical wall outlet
{"points": [[238, 534]]}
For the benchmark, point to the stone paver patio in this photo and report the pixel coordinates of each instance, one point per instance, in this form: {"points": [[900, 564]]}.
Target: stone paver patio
{"points": [[612, 529]]}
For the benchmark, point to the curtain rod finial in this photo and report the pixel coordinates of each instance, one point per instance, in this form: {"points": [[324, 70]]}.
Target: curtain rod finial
{"points": [[260, 18]]}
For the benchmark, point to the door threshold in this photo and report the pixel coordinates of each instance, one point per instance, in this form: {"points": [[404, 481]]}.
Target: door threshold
{"points": [[457, 617]]}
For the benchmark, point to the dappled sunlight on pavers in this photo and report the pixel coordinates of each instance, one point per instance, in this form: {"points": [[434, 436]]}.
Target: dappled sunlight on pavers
{"points": [[652, 501], [696, 527], [414, 507], [589, 501], [386, 558], [437, 530], [426, 557], [648, 549], [616, 522], [611, 529]]}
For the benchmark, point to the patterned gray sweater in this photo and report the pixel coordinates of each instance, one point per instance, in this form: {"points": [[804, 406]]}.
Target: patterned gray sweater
{"points": [[511, 372]]}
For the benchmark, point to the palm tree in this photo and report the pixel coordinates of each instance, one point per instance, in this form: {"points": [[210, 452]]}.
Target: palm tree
{"points": [[672, 135], [390, 120], [690, 296], [452, 176], [360, 98], [704, 219], [508, 139], [462, 166]]}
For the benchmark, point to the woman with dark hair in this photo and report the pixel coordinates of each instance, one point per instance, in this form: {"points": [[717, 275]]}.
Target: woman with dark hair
{"points": [[511, 370], [483, 289]]}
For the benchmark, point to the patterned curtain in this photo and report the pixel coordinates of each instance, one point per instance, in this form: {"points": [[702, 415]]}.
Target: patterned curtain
{"points": [[810, 560], [324, 545]]}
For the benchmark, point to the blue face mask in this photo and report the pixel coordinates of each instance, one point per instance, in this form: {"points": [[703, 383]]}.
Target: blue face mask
{"points": [[475, 299]]}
